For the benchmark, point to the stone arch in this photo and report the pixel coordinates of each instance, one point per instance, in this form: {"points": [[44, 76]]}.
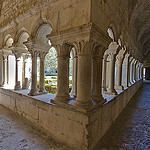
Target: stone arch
{"points": [[112, 30], [21, 36], [37, 27], [8, 41]]}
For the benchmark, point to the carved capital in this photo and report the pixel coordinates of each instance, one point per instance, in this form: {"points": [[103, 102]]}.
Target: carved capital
{"points": [[34, 53], [42, 55], [113, 48], [83, 47], [63, 49], [17, 56]]}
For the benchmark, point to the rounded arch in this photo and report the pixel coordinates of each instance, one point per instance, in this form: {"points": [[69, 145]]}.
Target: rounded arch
{"points": [[8, 41], [113, 30], [37, 27], [20, 34]]}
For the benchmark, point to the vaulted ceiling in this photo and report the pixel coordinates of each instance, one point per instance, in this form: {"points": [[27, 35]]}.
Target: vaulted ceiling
{"points": [[139, 13]]}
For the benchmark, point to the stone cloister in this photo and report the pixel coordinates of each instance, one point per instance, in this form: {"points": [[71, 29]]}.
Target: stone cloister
{"points": [[109, 51]]}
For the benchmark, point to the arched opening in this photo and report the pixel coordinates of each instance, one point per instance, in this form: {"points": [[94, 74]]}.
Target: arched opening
{"points": [[21, 56], [50, 67], [46, 62], [8, 70], [73, 72]]}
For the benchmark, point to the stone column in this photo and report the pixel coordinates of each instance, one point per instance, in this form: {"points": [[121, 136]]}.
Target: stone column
{"points": [[132, 76], [4, 70], [135, 71], [83, 81], [127, 65], [24, 79], [42, 73], [34, 90], [84, 75], [111, 89], [119, 74], [17, 84], [97, 79], [140, 71], [104, 74], [63, 73], [7, 69], [74, 77], [1, 68]]}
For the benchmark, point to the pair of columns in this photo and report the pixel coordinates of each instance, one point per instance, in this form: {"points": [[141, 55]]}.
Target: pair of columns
{"points": [[111, 89], [85, 64], [112, 52], [34, 91], [24, 80]]}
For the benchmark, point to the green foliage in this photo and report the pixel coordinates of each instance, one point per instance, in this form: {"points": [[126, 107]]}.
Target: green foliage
{"points": [[50, 75], [50, 63]]}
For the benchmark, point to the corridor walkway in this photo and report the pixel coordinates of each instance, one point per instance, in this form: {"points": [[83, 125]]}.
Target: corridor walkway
{"points": [[16, 133], [131, 131]]}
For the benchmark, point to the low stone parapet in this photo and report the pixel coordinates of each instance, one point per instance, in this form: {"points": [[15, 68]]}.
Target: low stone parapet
{"points": [[80, 130]]}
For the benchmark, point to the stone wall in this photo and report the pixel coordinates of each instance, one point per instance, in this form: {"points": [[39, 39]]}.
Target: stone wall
{"points": [[68, 125], [102, 119]]}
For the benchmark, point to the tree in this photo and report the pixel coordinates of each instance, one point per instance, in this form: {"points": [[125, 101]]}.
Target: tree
{"points": [[50, 64]]}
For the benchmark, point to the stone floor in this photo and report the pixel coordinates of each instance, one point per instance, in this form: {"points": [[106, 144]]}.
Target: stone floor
{"points": [[131, 131], [16, 133]]}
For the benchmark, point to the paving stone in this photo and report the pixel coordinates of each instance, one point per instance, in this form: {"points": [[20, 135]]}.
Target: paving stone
{"points": [[16, 133], [131, 131]]}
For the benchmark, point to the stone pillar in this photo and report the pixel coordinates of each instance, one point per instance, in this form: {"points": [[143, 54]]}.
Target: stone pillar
{"points": [[24, 82], [119, 74], [97, 79], [142, 71], [83, 81], [63, 73], [132, 76], [7, 69], [4, 70], [1, 68], [111, 89], [104, 74], [42, 73], [135, 71], [139, 71], [17, 83], [127, 64], [84, 75], [34, 90], [141, 75], [74, 77]]}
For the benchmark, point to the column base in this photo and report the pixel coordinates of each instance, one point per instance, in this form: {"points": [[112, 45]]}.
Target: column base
{"points": [[33, 92], [88, 105], [104, 90], [111, 92], [98, 99], [24, 87], [61, 99], [17, 86], [119, 87], [43, 91]]}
